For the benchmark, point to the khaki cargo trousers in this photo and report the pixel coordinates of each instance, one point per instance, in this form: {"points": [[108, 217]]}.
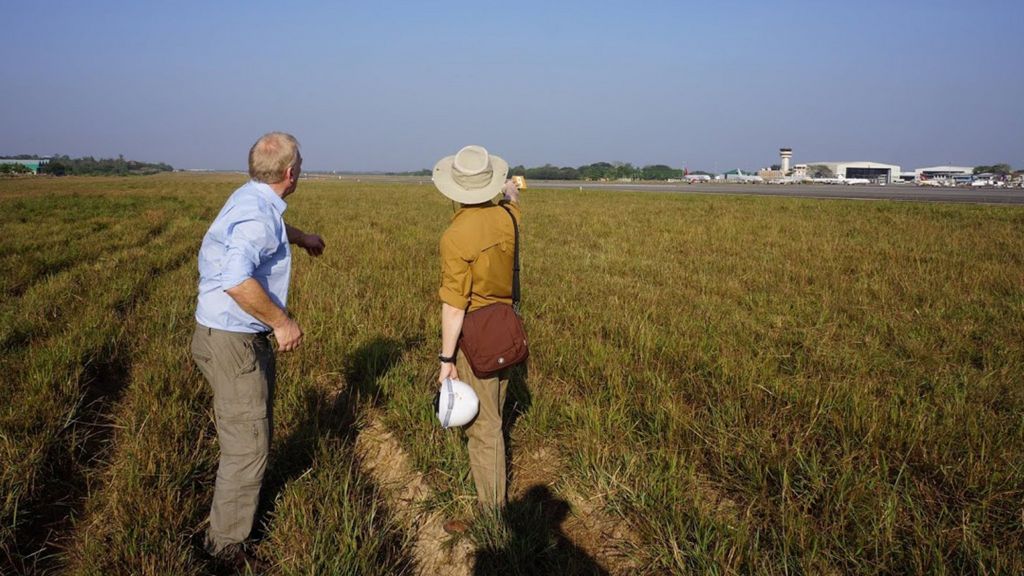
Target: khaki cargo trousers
{"points": [[240, 368], [486, 442]]}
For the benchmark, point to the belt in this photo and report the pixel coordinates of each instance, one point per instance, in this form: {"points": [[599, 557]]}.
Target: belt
{"points": [[210, 331]]}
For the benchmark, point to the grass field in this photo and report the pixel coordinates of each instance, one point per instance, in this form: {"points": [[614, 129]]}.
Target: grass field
{"points": [[716, 384]]}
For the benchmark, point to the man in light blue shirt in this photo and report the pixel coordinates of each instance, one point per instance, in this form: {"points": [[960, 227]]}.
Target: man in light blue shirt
{"points": [[248, 239], [244, 269]]}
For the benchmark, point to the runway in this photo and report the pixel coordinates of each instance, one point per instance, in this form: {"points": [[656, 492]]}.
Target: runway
{"points": [[904, 192]]}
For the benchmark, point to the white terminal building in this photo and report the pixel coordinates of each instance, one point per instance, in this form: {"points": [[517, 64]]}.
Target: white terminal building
{"points": [[943, 172]]}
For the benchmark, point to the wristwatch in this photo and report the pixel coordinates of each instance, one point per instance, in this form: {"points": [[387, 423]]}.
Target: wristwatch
{"points": [[447, 359]]}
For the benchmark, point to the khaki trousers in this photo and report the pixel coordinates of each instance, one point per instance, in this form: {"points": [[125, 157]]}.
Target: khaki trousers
{"points": [[486, 443], [240, 368]]}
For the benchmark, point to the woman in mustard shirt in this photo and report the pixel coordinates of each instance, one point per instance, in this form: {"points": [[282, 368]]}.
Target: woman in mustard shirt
{"points": [[477, 253]]}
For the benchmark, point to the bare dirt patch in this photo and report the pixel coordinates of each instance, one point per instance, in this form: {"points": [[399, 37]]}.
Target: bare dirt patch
{"points": [[408, 495]]}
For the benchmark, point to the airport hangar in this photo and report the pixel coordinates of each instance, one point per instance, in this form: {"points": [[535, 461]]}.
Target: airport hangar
{"points": [[873, 171]]}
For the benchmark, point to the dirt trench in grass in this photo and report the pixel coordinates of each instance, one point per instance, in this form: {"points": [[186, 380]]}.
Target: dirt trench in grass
{"points": [[408, 494], [603, 541]]}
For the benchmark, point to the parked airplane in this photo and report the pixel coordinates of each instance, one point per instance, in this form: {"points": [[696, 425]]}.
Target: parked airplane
{"points": [[739, 176], [695, 178]]}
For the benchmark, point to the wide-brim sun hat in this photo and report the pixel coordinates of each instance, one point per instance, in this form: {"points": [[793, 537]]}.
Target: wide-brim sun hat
{"points": [[471, 176]]}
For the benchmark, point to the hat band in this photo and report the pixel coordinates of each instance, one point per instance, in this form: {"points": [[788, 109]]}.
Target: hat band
{"points": [[473, 181]]}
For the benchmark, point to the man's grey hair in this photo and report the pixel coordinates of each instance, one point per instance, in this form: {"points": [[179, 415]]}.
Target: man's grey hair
{"points": [[271, 156]]}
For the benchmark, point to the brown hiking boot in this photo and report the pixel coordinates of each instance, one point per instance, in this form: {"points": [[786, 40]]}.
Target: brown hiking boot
{"points": [[236, 559], [456, 527]]}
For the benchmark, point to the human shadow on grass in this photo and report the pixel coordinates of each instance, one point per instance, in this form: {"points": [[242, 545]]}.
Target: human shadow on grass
{"points": [[528, 539], [329, 414], [517, 404]]}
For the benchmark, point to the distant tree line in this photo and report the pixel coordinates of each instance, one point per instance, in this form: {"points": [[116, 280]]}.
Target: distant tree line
{"points": [[424, 172], [997, 169], [599, 171], [62, 165], [14, 169], [89, 166], [596, 171]]}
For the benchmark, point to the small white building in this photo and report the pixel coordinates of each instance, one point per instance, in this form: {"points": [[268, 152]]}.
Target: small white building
{"points": [[32, 164], [944, 172]]}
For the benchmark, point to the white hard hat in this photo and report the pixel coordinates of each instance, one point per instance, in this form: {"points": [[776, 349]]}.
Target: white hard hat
{"points": [[456, 403]]}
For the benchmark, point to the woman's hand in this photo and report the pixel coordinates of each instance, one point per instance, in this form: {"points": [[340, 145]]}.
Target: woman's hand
{"points": [[510, 190], [448, 370]]}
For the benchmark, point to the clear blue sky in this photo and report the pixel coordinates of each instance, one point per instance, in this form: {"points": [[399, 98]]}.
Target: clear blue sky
{"points": [[396, 85]]}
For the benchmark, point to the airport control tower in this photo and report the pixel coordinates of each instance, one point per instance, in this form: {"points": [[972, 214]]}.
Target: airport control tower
{"points": [[785, 154]]}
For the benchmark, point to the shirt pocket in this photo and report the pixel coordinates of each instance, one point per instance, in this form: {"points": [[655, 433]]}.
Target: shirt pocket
{"points": [[493, 271]]}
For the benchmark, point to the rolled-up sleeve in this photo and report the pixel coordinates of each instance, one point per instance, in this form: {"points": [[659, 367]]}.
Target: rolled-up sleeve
{"points": [[247, 242], [456, 279]]}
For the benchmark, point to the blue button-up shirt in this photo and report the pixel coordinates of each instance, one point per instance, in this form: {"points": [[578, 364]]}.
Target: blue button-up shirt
{"points": [[248, 239]]}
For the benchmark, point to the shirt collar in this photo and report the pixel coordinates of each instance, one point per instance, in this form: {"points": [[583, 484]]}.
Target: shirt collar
{"points": [[268, 193], [463, 209]]}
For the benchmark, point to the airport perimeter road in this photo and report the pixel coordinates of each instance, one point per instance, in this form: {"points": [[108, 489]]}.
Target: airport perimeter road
{"points": [[858, 192]]}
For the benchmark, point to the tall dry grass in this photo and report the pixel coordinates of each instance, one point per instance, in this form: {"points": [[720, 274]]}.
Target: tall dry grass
{"points": [[757, 385]]}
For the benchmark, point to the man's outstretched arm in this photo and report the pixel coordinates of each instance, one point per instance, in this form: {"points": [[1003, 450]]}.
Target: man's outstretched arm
{"points": [[312, 243]]}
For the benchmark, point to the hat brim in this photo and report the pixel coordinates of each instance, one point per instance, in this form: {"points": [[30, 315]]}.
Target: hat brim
{"points": [[449, 187]]}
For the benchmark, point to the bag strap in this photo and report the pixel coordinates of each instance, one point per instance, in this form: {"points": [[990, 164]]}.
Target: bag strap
{"points": [[515, 262]]}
